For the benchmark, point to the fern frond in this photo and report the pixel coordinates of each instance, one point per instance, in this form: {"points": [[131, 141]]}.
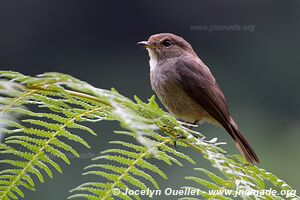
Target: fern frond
{"points": [[130, 168], [40, 133], [53, 104]]}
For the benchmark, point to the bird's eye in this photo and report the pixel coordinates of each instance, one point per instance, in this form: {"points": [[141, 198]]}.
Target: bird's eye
{"points": [[167, 43]]}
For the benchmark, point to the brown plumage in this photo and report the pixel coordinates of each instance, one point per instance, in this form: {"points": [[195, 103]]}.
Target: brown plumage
{"points": [[186, 87]]}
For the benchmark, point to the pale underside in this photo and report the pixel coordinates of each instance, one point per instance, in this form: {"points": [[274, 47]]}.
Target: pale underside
{"points": [[173, 97]]}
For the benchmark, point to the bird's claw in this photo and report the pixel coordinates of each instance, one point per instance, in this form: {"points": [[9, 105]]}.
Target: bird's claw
{"points": [[179, 137]]}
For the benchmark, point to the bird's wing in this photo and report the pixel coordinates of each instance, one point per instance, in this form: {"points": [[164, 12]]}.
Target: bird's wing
{"points": [[197, 81]]}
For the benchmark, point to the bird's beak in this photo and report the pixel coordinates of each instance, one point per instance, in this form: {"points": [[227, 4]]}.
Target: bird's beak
{"points": [[146, 44]]}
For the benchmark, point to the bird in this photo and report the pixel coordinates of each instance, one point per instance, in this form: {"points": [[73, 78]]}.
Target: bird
{"points": [[188, 89]]}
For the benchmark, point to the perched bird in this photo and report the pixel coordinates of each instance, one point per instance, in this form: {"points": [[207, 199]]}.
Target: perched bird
{"points": [[187, 88]]}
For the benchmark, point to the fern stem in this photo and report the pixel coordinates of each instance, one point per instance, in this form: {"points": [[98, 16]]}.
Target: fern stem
{"points": [[74, 93], [16, 181], [16, 100], [131, 166], [87, 96]]}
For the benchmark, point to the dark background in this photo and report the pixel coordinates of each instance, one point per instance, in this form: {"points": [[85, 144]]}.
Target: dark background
{"points": [[96, 42]]}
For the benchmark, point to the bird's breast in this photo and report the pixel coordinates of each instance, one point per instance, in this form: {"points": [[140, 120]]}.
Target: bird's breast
{"points": [[172, 96]]}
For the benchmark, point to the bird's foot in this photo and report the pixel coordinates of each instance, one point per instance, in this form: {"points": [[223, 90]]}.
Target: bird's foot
{"points": [[194, 123], [189, 125], [178, 137]]}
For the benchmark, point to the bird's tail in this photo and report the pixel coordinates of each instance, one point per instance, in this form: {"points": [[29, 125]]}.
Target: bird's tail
{"points": [[242, 144]]}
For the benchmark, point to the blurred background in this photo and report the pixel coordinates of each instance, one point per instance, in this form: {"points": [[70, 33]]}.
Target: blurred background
{"points": [[252, 48]]}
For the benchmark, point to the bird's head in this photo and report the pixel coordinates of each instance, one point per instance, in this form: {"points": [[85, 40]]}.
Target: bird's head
{"points": [[164, 46]]}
